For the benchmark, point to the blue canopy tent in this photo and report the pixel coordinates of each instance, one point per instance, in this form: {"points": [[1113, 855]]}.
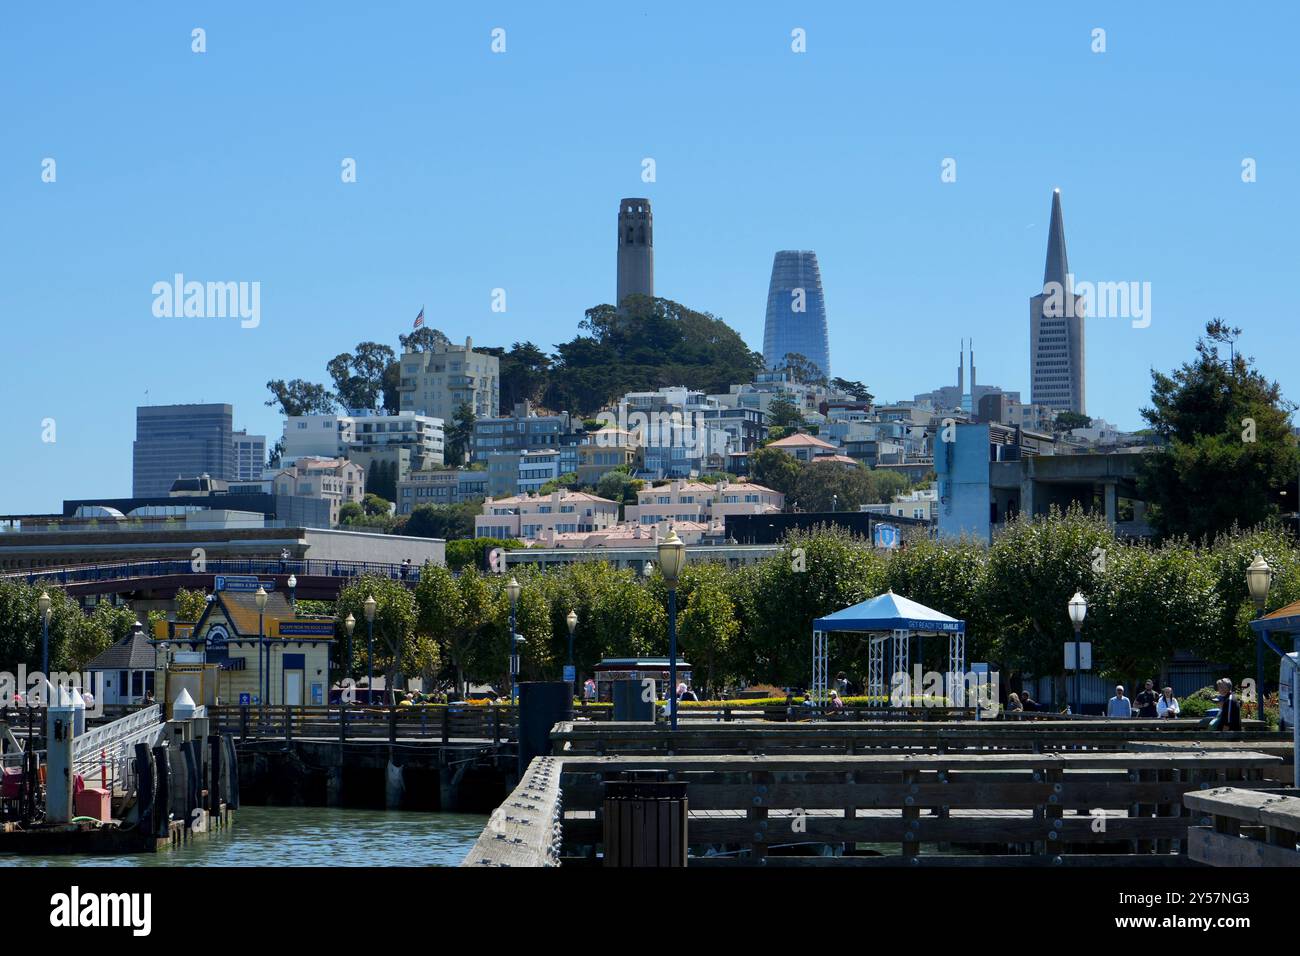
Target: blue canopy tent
{"points": [[893, 619]]}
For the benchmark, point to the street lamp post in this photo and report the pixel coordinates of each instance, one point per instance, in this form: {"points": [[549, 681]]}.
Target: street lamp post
{"points": [[260, 598], [43, 605], [1078, 611], [572, 620], [672, 557], [349, 625], [370, 606], [1258, 578], [293, 587], [513, 589]]}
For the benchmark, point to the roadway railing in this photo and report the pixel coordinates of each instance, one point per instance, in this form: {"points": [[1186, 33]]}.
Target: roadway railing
{"points": [[123, 570]]}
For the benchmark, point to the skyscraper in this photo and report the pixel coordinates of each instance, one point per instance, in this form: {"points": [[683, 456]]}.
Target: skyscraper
{"points": [[1056, 346], [181, 441], [796, 312], [636, 249]]}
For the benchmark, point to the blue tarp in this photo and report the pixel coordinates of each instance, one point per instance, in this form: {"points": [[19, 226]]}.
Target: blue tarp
{"points": [[889, 612]]}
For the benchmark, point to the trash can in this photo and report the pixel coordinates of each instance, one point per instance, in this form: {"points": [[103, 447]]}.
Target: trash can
{"points": [[645, 820], [629, 702]]}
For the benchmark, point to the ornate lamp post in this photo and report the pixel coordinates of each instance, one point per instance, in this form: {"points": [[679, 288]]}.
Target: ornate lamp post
{"points": [[1259, 576], [349, 625], [572, 620], [293, 587], [370, 606], [672, 558], [43, 605], [513, 590], [1078, 611], [260, 598]]}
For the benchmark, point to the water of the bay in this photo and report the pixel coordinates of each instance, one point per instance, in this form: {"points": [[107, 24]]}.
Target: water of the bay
{"points": [[308, 836]]}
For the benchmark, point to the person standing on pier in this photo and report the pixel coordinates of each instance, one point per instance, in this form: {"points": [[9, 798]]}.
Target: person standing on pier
{"points": [[1229, 707], [1146, 701], [1119, 706], [1167, 705]]}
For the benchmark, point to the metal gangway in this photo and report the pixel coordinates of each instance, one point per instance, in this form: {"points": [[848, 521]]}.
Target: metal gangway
{"points": [[104, 756]]}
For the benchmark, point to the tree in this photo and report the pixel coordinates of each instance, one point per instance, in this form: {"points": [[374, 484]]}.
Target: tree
{"points": [[618, 485], [524, 373], [775, 469], [1229, 452], [350, 511], [460, 435], [440, 615], [1148, 603], [190, 605], [1034, 567], [888, 484], [472, 552], [298, 397], [424, 339], [1068, 421], [831, 486], [359, 376], [776, 600], [98, 631], [567, 480], [707, 627], [641, 345], [381, 480], [802, 369], [394, 628], [442, 521], [783, 413], [856, 389]]}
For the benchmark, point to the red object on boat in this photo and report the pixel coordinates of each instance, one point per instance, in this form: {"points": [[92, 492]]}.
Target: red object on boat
{"points": [[94, 802], [11, 784]]}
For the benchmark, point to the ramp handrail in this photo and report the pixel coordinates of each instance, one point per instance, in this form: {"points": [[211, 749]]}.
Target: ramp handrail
{"points": [[103, 755]]}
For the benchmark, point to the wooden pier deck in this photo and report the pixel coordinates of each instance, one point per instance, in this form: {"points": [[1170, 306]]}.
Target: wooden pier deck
{"points": [[958, 793]]}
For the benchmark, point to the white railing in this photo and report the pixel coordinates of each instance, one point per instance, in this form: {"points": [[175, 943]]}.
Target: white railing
{"points": [[103, 756]]}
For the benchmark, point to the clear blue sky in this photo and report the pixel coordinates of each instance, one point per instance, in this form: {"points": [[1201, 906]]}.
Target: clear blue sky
{"points": [[478, 171]]}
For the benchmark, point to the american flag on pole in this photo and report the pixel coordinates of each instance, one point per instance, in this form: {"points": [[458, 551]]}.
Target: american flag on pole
{"points": [[419, 319]]}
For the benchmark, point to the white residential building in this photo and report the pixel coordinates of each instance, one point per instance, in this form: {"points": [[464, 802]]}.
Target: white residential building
{"points": [[700, 502], [336, 480], [332, 436], [437, 383], [526, 517]]}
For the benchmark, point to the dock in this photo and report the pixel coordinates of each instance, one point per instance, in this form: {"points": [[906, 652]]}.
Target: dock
{"points": [[1053, 793]]}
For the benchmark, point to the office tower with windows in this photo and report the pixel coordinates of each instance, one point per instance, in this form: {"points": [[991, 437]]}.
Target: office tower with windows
{"points": [[1056, 346], [181, 441], [796, 312]]}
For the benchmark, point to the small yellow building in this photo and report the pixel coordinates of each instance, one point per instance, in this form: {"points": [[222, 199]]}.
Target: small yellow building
{"points": [[235, 655]]}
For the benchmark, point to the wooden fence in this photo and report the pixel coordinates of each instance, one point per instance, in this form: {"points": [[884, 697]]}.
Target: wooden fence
{"points": [[1245, 828], [578, 738], [1074, 809], [356, 722]]}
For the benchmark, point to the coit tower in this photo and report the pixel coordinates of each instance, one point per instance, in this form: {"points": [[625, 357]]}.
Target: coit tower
{"points": [[636, 249]]}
